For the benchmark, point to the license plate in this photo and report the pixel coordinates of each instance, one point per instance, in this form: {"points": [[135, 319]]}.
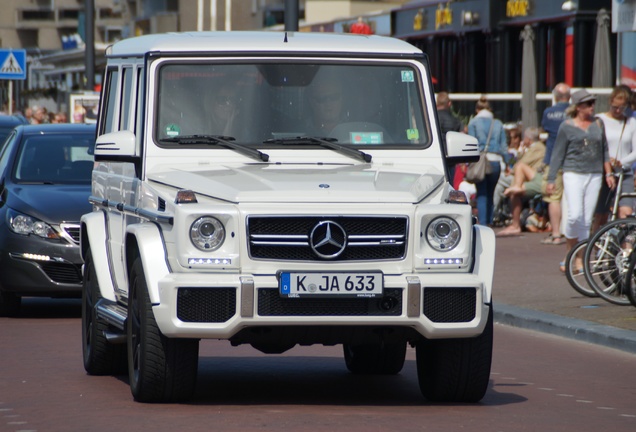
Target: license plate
{"points": [[331, 284]]}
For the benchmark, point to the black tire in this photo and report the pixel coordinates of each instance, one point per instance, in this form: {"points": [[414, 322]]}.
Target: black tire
{"points": [[455, 370], [160, 369], [10, 304], [607, 259], [630, 280], [375, 359], [576, 276], [100, 356]]}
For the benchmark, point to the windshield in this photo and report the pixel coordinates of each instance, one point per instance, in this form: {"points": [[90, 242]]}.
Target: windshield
{"points": [[361, 105], [57, 159]]}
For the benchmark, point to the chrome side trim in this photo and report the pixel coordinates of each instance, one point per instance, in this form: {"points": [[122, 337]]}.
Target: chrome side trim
{"points": [[112, 313], [152, 216]]}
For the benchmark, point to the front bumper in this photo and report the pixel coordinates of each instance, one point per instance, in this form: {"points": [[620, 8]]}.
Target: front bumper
{"points": [[219, 306], [31, 266]]}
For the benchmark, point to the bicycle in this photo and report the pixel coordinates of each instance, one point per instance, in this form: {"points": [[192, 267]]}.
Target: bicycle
{"points": [[574, 273], [608, 252]]}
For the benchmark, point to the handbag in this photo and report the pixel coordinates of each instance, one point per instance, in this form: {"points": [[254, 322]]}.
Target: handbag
{"points": [[477, 171]]}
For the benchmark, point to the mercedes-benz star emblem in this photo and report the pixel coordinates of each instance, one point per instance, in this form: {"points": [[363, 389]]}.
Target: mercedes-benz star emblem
{"points": [[328, 239]]}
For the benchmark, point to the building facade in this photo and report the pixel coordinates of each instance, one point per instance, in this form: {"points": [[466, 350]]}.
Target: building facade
{"points": [[475, 46]]}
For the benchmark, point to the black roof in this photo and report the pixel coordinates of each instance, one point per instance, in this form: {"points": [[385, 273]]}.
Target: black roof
{"points": [[12, 120], [56, 128]]}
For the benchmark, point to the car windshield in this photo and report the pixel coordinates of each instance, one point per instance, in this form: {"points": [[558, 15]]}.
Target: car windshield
{"points": [[360, 105], [56, 159]]}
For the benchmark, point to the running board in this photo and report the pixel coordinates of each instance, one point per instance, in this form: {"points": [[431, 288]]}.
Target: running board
{"points": [[111, 313]]}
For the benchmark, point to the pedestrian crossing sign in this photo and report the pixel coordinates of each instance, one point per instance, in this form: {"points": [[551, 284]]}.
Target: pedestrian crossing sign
{"points": [[12, 64]]}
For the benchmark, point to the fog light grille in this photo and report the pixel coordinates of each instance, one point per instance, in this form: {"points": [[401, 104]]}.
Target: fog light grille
{"points": [[450, 305], [212, 305]]}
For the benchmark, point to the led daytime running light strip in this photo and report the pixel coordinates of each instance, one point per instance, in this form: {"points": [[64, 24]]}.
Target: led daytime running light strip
{"points": [[451, 261], [206, 261]]}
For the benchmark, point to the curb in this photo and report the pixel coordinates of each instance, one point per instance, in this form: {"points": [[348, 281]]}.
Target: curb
{"points": [[581, 330]]}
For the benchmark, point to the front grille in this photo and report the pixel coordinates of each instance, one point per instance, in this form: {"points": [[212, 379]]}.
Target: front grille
{"points": [[270, 303], [73, 232], [62, 272], [449, 305], [288, 238], [211, 305]]}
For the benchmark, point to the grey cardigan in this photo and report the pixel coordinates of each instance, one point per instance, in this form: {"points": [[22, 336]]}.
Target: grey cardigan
{"points": [[579, 151]]}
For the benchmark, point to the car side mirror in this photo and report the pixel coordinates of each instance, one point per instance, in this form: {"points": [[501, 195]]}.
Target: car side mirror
{"points": [[116, 146], [461, 147]]}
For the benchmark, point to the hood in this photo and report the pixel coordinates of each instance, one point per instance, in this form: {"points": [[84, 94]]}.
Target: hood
{"points": [[50, 203], [305, 182]]}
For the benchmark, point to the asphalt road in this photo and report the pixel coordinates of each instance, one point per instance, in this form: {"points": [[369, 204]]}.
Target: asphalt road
{"points": [[539, 382]]}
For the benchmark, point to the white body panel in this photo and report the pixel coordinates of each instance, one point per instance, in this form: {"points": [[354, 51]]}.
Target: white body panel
{"points": [[137, 180]]}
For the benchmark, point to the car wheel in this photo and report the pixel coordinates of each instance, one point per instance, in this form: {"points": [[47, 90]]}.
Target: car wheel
{"points": [[100, 356], [160, 369], [10, 304], [455, 370], [375, 359]]}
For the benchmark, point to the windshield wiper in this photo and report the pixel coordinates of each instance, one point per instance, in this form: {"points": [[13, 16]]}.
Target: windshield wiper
{"points": [[326, 142], [220, 140]]}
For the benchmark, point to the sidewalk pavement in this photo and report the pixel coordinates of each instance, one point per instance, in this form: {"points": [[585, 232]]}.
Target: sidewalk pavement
{"points": [[531, 292]]}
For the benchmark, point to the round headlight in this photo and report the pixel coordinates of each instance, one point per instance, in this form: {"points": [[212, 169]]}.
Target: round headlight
{"points": [[21, 224], [443, 234], [207, 233]]}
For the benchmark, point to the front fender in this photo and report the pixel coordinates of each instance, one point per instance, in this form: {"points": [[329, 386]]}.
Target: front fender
{"points": [[485, 245], [93, 236], [147, 239]]}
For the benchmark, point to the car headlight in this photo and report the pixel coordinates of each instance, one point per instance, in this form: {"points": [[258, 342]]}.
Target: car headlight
{"points": [[443, 234], [26, 225], [207, 233]]}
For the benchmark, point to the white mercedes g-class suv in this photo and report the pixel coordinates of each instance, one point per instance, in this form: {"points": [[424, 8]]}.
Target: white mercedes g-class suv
{"points": [[275, 189]]}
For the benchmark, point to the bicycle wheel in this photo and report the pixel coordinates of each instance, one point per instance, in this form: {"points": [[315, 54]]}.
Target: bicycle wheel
{"points": [[606, 260], [630, 280], [575, 273]]}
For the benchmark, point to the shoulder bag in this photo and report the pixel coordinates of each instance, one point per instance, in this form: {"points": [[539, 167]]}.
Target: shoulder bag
{"points": [[477, 171]]}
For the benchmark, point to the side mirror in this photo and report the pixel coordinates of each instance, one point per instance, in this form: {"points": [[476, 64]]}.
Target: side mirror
{"points": [[461, 147], [116, 146]]}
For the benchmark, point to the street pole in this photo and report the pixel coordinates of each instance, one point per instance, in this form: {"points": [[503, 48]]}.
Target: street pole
{"points": [[291, 15], [89, 44]]}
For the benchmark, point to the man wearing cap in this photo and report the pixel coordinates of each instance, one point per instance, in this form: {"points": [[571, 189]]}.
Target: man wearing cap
{"points": [[581, 151], [552, 118]]}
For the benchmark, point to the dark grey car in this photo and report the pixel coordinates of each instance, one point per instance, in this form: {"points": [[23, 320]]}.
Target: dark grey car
{"points": [[7, 123], [45, 181]]}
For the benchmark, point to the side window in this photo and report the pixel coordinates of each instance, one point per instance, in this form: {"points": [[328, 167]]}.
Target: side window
{"points": [[126, 103], [139, 105], [4, 153], [110, 122]]}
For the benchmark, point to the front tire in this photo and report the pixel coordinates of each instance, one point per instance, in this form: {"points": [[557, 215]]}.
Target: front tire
{"points": [[160, 369], [100, 356], [375, 359], [10, 304], [455, 370], [576, 275]]}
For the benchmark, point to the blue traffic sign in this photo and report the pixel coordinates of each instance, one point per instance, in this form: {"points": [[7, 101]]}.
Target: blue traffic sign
{"points": [[12, 64]]}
